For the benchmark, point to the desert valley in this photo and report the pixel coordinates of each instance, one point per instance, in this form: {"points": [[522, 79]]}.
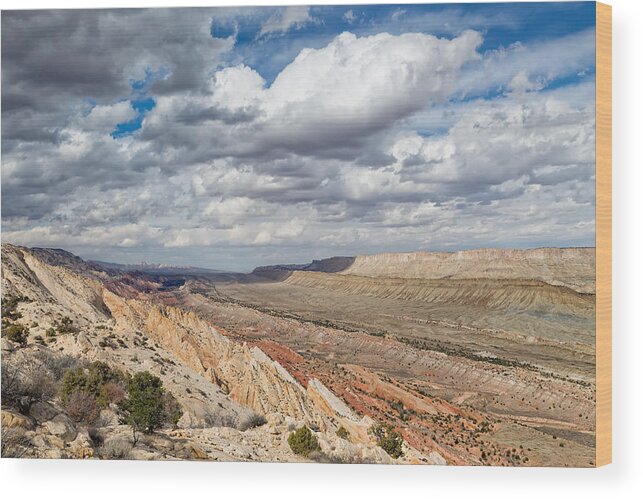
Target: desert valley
{"points": [[481, 357]]}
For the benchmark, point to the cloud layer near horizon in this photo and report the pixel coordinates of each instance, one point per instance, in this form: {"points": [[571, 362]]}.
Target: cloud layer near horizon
{"points": [[133, 135]]}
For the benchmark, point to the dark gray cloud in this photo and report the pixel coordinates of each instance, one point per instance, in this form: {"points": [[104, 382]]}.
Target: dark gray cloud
{"points": [[54, 60], [96, 52]]}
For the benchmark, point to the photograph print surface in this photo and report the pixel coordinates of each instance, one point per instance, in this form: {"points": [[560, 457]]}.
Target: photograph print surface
{"points": [[333, 234]]}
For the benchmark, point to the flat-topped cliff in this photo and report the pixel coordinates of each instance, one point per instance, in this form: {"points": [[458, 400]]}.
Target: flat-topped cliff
{"points": [[571, 267]]}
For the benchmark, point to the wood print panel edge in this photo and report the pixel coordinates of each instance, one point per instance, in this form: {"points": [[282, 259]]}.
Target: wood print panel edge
{"points": [[603, 234]]}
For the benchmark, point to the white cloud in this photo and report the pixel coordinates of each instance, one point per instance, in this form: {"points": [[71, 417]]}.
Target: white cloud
{"points": [[237, 87], [236, 209], [521, 83], [341, 94], [374, 78], [198, 236], [492, 141], [272, 233], [327, 101], [540, 62], [397, 14], [104, 118], [100, 236], [293, 17], [349, 16]]}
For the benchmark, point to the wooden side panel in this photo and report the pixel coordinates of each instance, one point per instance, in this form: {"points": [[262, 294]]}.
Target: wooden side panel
{"points": [[603, 234]]}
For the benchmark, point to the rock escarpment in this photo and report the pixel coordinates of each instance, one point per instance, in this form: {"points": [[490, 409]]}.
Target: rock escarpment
{"points": [[571, 267], [122, 319]]}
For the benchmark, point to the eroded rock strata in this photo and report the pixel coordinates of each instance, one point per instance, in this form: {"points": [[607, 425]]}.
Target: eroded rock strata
{"points": [[474, 358]]}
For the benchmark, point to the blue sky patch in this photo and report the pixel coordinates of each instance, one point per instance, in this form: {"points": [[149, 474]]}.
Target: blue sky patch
{"points": [[140, 101], [141, 106]]}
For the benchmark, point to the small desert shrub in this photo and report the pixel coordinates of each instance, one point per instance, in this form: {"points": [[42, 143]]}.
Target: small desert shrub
{"points": [[252, 420], [399, 407], [115, 449], [39, 340], [113, 393], [387, 438], [218, 420], [343, 433], [91, 381], [12, 385], [322, 457], [50, 333], [9, 305], [95, 436], [41, 385], [82, 408], [144, 402], [303, 442], [74, 380], [227, 420], [13, 443], [16, 333], [23, 387], [57, 365], [66, 326]]}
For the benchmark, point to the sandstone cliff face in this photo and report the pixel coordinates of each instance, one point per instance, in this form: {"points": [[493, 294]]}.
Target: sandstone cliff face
{"points": [[571, 267], [209, 373], [249, 376], [57, 288]]}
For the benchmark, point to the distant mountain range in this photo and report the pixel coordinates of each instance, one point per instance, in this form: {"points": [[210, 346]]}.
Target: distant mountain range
{"points": [[281, 271], [155, 268]]}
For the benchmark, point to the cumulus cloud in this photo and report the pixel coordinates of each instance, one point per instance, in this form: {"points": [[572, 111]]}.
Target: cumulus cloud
{"points": [[359, 83], [501, 140], [359, 144], [327, 101]]}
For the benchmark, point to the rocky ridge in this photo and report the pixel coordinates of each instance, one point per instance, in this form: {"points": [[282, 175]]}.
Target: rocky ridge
{"points": [[216, 380]]}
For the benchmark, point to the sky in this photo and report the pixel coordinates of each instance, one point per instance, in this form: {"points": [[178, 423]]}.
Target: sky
{"points": [[234, 137]]}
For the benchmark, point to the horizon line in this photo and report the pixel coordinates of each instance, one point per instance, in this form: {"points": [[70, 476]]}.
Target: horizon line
{"points": [[143, 262]]}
